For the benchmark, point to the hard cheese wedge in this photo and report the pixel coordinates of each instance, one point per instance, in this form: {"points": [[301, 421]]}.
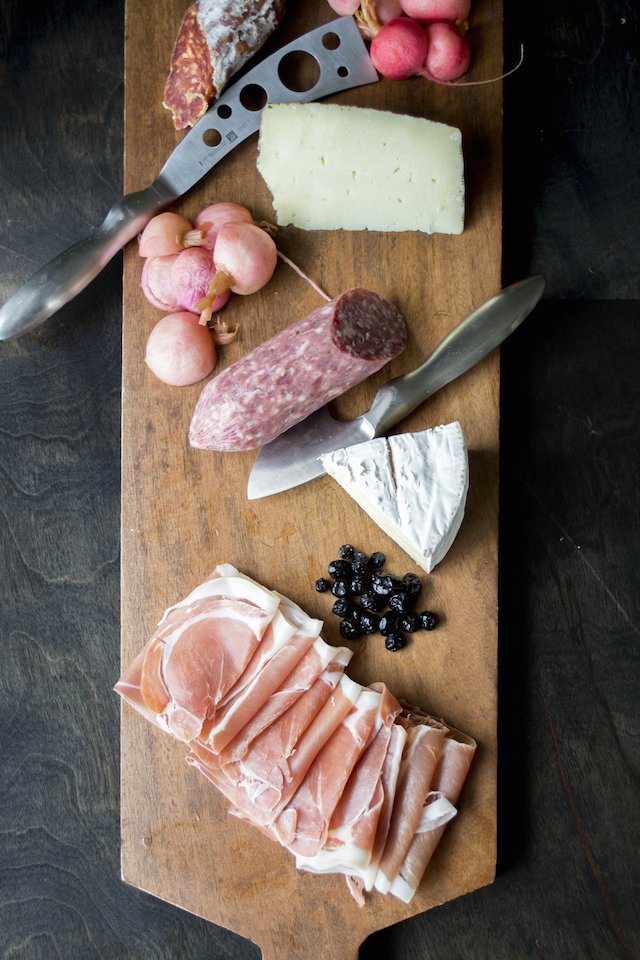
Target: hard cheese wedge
{"points": [[414, 486], [330, 167]]}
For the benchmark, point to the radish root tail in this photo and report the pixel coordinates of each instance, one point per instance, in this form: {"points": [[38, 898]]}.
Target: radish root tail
{"points": [[476, 83], [302, 274]]}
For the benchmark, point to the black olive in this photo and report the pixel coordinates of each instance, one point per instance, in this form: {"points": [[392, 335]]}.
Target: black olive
{"points": [[357, 586], [413, 584], [349, 629], [359, 562], [339, 569], [385, 584], [395, 641], [401, 602], [342, 607], [369, 621], [388, 623], [340, 588], [427, 620], [372, 601], [381, 584]]}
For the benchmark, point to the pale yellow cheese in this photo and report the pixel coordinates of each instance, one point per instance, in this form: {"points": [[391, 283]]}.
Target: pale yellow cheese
{"points": [[330, 167]]}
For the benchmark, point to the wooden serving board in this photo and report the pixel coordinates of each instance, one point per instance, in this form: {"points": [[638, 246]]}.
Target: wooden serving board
{"points": [[185, 510]]}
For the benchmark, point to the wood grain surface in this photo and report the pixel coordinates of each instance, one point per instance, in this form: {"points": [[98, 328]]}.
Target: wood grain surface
{"points": [[184, 510], [569, 724]]}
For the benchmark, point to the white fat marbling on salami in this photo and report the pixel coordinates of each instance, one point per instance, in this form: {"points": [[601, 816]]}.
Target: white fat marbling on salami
{"points": [[298, 371], [215, 39], [234, 30]]}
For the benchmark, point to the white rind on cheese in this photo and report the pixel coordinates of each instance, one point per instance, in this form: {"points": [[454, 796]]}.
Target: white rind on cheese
{"points": [[414, 486], [331, 167]]}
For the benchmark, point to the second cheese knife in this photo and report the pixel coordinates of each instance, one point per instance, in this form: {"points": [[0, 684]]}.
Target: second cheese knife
{"points": [[294, 457], [340, 60]]}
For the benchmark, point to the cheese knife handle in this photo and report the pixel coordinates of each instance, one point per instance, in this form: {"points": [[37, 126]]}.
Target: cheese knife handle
{"points": [[343, 61], [71, 271], [470, 342]]}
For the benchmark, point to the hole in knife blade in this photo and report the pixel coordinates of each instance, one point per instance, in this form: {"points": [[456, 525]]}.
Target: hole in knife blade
{"points": [[299, 71], [331, 41], [212, 138], [253, 97], [224, 111], [343, 72]]}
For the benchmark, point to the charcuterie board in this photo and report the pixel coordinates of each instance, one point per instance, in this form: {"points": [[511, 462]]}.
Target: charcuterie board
{"points": [[185, 510]]}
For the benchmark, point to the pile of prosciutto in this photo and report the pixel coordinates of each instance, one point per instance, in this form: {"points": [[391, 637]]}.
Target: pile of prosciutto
{"points": [[346, 777]]}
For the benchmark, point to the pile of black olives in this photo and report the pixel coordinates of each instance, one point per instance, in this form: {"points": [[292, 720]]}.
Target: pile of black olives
{"points": [[370, 601]]}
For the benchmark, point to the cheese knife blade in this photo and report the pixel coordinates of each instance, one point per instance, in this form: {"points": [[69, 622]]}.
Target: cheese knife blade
{"points": [[293, 458], [341, 62]]}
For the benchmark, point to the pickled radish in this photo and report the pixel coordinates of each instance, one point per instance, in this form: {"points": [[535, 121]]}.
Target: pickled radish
{"points": [[399, 49], [157, 283], [209, 220], [388, 10], [179, 350], [344, 8], [191, 274], [163, 235], [244, 257], [429, 11], [448, 54]]}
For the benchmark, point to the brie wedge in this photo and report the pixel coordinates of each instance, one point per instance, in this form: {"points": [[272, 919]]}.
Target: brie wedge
{"points": [[332, 167], [414, 486]]}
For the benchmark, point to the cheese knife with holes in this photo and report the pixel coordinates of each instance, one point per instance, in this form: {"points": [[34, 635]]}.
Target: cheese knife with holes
{"points": [[341, 62]]}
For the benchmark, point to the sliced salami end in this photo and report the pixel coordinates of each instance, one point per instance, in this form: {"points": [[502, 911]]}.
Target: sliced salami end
{"points": [[368, 326], [298, 371]]}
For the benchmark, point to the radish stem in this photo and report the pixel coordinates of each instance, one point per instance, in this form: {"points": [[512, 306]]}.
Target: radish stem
{"points": [[302, 274]]}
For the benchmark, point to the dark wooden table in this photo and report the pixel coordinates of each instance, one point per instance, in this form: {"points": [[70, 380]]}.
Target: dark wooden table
{"points": [[569, 870]]}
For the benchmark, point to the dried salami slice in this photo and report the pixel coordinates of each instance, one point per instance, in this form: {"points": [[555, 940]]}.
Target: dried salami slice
{"points": [[298, 371], [215, 39], [189, 87]]}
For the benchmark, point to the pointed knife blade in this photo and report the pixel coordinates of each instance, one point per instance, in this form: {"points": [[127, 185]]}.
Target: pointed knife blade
{"points": [[294, 457]]}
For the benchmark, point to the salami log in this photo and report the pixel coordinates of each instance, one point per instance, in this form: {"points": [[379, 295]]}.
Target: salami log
{"points": [[298, 371], [215, 38]]}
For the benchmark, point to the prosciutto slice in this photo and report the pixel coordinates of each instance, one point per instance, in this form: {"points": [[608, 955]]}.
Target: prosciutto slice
{"points": [[280, 652], [344, 776], [351, 835], [201, 647], [450, 775], [304, 823], [260, 785], [419, 761], [315, 661], [389, 782]]}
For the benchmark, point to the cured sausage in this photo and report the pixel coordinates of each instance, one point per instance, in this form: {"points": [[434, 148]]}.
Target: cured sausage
{"points": [[215, 38], [298, 371]]}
